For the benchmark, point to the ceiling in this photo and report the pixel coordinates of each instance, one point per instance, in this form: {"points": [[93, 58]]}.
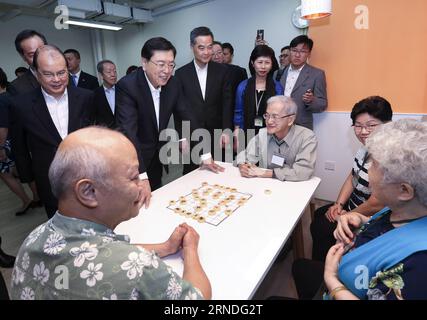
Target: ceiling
{"points": [[10, 9]]}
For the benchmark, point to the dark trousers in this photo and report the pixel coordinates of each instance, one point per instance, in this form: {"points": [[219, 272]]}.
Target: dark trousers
{"points": [[3, 289], [308, 277], [154, 172], [322, 233]]}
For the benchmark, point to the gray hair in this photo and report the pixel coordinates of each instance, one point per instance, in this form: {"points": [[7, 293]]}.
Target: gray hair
{"points": [[288, 103], [100, 65], [400, 148], [84, 161]]}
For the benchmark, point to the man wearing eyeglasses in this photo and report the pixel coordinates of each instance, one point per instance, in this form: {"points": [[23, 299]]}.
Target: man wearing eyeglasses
{"points": [[283, 61], [282, 150], [145, 101], [42, 118], [304, 83]]}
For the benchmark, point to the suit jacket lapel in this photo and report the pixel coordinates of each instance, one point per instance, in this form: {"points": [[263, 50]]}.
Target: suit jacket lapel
{"points": [[41, 111], [193, 78], [302, 77], [147, 99], [74, 114], [210, 80]]}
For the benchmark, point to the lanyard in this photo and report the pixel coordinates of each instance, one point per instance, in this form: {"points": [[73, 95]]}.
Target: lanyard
{"points": [[257, 103]]}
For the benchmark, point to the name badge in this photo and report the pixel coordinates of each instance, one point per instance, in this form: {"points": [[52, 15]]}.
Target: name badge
{"points": [[278, 160], [258, 122]]}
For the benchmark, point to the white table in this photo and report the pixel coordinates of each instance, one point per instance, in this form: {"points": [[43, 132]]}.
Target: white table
{"points": [[237, 254]]}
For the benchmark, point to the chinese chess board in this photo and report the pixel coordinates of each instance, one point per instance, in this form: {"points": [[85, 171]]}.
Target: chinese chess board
{"points": [[209, 203]]}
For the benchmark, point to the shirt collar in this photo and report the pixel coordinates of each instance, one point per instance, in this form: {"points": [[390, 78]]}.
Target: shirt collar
{"points": [[198, 69], [77, 226], [76, 74], [49, 97], [152, 89], [299, 70], [287, 139], [113, 88]]}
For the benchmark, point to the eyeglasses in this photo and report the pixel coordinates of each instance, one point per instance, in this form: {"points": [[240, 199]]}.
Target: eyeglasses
{"points": [[284, 55], [369, 127], [295, 51], [60, 74], [163, 65], [275, 117]]}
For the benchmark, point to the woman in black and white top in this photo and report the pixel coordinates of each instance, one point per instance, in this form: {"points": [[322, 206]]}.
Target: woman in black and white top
{"points": [[355, 194]]}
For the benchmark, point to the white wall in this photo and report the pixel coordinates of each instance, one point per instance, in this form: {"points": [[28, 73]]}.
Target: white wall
{"points": [[77, 38], [337, 143], [233, 21]]}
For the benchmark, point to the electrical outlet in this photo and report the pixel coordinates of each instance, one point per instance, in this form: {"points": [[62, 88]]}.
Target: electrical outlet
{"points": [[330, 165]]}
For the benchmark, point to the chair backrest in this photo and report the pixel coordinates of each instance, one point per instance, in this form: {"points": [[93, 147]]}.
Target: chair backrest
{"points": [[4, 295]]}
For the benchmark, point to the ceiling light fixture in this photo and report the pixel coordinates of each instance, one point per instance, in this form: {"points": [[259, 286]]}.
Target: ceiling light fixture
{"points": [[315, 9], [94, 25]]}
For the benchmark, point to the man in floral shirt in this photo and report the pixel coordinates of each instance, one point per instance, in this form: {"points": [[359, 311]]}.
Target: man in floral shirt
{"points": [[76, 254]]}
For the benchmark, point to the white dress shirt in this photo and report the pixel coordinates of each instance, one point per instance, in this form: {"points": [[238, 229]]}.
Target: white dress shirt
{"points": [[76, 76], [110, 94], [202, 75], [155, 93], [58, 110], [292, 78]]}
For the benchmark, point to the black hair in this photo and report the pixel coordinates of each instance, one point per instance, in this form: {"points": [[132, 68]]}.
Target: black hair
{"points": [[285, 48], [200, 31], [375, 106], [20, 70], [228, 46], [217, 42], [24, 35], [131, 69], [100, 65], [263, 51], [50, 48], [158, 43], [73, 51], [302, 39], [3, 79]]}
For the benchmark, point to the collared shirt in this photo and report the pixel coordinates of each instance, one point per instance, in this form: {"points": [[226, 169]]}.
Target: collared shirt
{"points": [[202, 75], [155, 93], [69, 258], [75, 77], [58, 110], [298, 148], [110, 94], [291, 79]]}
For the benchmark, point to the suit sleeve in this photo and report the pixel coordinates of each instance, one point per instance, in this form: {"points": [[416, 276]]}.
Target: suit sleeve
{"points": [[320, 102], [238, 109], [126, 114], [227, 103], [20, 146]]}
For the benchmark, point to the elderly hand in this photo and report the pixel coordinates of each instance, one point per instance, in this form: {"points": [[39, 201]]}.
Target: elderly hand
{"points": [[184, 146], [210, 164], [308, 97], [244, 170], [332, 261], [256, 171], [333, 212], [347, 221], [175, 241], [191, 238], [225, 140], [145, 193]]}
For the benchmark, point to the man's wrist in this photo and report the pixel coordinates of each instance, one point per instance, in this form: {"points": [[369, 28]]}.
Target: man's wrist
{"points": [[206, 156]]}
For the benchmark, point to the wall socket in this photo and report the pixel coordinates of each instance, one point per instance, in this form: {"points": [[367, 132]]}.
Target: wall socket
{"points": [[330, 165]]}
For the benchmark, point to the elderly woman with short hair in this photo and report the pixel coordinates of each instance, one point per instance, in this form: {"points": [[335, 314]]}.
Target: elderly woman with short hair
{"points": [[388, 252]]}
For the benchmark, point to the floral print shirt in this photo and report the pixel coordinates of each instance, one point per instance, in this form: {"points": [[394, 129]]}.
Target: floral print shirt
{"points": [[69, 258]]}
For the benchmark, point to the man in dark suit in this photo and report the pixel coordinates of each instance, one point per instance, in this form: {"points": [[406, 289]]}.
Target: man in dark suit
{"points": [[79, 78], [105, 95], [207, 89], [43, 117], [304, 83], [26, 43], [145, 101]]}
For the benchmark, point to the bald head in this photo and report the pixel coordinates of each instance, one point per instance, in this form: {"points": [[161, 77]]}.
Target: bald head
{"points": [[88, 153]]}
